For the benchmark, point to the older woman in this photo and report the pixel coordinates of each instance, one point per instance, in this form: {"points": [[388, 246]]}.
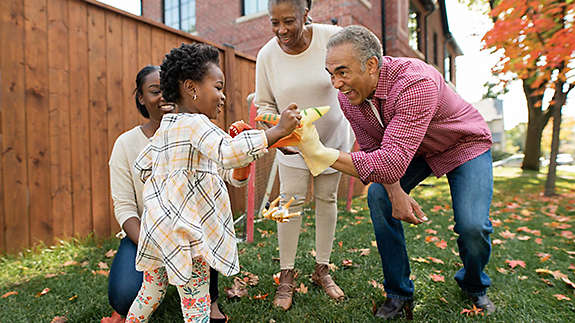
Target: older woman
{"points": [[290, 69]]}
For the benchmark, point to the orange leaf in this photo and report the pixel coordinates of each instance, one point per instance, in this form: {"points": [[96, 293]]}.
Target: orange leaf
{"points": [[10, 294], [562, 297], [507, 234], [301, 289], [276, 277], [435, 260], [543, 256], [436, 208], [420, 259], [70, 263], [473, 311], [538, 240], [437, 277], [431, 239], [523, 238], [260, 296], [515, 263], [502, 270], [43, 292], [430, 231], [568, 282], [441, 244], [497, 241], [101, 272], [110, 253], [567, 235], [102, 265], [340, 244], [347, 262], [59, 319]]}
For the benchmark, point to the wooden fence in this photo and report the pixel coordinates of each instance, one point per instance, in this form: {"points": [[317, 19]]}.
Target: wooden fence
{"points": [[67, 72]]}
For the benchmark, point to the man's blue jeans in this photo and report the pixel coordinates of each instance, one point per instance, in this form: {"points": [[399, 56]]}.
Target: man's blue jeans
{"points": [[471, 186], [125, 281]]}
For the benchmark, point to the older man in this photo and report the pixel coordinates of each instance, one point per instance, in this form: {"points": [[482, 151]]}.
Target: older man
{"points": [[409, 124]]}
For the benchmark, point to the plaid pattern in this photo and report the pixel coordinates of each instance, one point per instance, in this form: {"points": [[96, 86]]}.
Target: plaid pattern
{"points": [[187, 210], [421, 115]]}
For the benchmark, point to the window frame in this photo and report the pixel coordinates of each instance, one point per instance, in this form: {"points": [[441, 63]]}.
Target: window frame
{"points": [[418, 46], [179, 9], [244, 13]]}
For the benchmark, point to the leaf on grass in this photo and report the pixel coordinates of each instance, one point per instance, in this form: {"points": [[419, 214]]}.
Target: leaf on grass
{"points": [[301, 289], [472, 311], [543, 257], [10, 294], [538, 240], [260, 296], [502, 270], [312, 252], [429, 239], [101, 272], [373, 243], [110, 253], [515, 263], [496, 222], [102, 265], [436, 208], [59, 319], [436, 260], [332, 267], [364, 252], [238, 289], [347, 263], [547, 282], [567, 235], [507, 234], [522, 277], [340, 244], [443, 300], [430, 231], [378, 286], [556, 274], [85, 263], [73, 298], [50, 275], [441, 244], [568, 282], [70, 263], [525, 212], [250, 279], [571, 267], [43, 292], [562, 297], [276, 277], [557, 225], [437, 278], [264, 233], [497, 241], [523, 238], [420, 259]]}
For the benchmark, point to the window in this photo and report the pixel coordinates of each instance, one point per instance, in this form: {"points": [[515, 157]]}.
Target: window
{"points": [[180, 14], [447, 68], [414, 27], [254, 6]]}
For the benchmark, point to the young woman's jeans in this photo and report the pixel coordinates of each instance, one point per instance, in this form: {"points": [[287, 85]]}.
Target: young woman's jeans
{"points": [[471, 186], [125, 281]]}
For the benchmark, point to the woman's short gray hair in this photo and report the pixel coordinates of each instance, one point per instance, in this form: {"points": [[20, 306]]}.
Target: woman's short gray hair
{"points": [[364, 42]]}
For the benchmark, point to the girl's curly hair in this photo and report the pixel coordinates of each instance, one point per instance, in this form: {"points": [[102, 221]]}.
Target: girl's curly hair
{"points": [[187, 62]]}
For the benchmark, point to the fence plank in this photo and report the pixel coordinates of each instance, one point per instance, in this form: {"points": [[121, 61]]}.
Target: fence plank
{"points": [[98, 123], [129, 71], [37, 103], [80, 118], [60, 163], [114, 92], [13, 154], [158, 44], [144, 56]]}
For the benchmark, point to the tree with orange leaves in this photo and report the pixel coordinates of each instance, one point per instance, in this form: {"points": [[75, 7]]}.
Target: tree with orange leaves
{"points": [[537, 41]]}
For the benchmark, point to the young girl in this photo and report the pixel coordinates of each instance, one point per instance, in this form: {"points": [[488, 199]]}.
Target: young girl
{"points": [[187, 224]]}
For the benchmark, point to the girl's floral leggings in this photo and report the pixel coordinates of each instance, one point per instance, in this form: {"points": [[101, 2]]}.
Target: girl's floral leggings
{"points": [[194, 296]]}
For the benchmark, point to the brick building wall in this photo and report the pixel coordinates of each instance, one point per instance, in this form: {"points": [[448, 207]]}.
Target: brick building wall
{"points": [[221, 21]]}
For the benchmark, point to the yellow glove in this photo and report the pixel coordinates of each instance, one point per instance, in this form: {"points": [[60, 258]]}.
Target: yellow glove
{"points": [[316, 156]]}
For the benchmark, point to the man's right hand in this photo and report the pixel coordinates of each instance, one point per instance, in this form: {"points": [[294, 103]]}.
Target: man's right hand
{"points": [[404, 207]]}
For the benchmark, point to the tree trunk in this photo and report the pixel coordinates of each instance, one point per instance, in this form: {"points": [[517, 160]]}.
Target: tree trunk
{"points": [[559, 99], [535, 124]]}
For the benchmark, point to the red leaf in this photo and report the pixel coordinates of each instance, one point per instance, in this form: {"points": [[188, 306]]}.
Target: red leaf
{"points": [[437, 277], [473, 311], [441, 244], [538, 241], [259, 296], [515, 263], [43, 292]]}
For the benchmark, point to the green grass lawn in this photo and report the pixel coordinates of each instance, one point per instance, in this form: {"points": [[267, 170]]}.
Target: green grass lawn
{"points": [[528, 228]]}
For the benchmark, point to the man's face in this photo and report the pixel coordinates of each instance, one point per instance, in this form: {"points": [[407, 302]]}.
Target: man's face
{"points": [[346, 73]]}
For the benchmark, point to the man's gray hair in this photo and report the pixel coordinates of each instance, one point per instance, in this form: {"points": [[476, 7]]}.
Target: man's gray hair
{"points": [[364, 42]]}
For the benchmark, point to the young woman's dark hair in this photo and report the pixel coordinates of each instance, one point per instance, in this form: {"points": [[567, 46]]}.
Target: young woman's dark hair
{"points": [[140, 79], [187, 62]]}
